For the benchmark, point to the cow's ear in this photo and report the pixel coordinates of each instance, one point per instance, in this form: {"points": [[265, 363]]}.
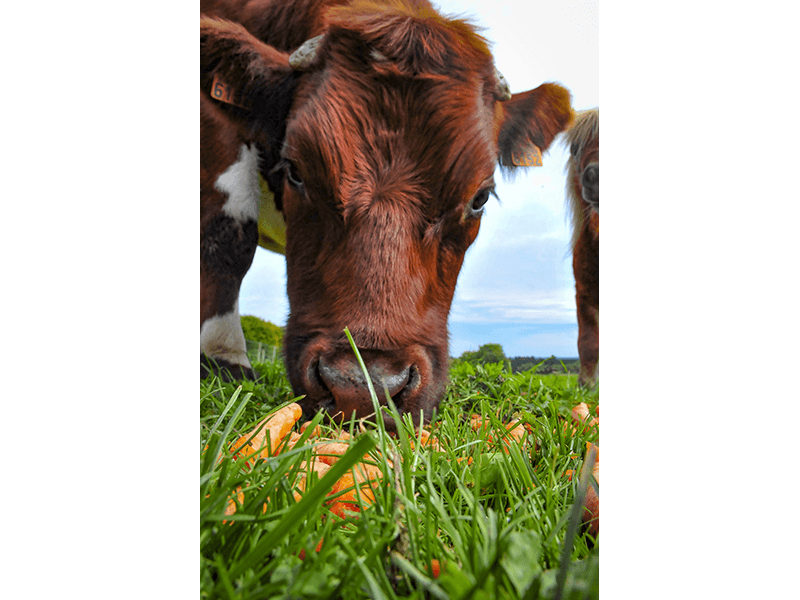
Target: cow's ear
{"points": [[248, 77], [533, 118]]}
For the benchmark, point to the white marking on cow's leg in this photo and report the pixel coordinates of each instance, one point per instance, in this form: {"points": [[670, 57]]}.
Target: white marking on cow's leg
{"points": [[221, 337], [240, 183]]}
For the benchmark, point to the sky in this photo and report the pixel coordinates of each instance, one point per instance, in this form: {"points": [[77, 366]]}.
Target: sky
{"points": [[516, 287]]}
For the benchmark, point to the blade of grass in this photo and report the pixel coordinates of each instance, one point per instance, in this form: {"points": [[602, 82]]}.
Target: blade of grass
{"points": [[422, 580], [211, 458], [574, 522], [371, 388], [376, 593], [225, 410]]}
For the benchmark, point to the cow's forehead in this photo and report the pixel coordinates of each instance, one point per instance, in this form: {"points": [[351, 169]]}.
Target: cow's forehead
{"points": [[441, 128]]}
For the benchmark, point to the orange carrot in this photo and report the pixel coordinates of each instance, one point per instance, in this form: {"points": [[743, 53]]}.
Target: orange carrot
{"points": [[316, 432], [516, 431], [581, 412], [515, 428], [591, 510], [302, 554], [331, 451], [316, 466], [231, 508], [278, 424], [589, 446], [355, 488], [435, 568]]}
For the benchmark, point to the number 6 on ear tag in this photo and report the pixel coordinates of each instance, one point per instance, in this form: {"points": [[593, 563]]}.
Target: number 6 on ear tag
{"points": [[225, 93]]}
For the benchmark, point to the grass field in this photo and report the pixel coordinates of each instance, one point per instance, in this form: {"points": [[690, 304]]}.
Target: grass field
{"points": [[479, 515]]}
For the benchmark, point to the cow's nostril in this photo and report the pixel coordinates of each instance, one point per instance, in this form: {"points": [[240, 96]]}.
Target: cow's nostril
{"points": [[591, 175], [343, 377], [392, 382]]}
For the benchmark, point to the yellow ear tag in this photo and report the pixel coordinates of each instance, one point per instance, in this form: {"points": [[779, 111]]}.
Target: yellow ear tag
{"points": [[530, 156], [225, 93]]}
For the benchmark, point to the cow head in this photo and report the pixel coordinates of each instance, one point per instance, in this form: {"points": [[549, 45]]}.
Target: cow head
{"points": [[584, 147], [397, 121], [583, 173]]}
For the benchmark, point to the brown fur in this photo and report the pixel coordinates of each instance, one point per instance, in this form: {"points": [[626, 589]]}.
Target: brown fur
{"points": [[583, 139], [393, 130]]}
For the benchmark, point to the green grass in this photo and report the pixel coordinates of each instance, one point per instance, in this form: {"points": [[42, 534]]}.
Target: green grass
{"points": [[502, 526]]}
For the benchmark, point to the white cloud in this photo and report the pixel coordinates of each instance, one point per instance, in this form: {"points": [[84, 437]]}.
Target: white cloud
{"points": [[500, 306], [562, 343]]}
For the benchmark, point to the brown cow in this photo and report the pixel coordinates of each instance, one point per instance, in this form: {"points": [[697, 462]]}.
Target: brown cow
{"points": [[373, 130], [583, 200]]}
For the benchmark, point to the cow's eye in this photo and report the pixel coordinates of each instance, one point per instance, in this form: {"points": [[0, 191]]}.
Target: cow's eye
{"points": [[294, 177], [478, 202]]}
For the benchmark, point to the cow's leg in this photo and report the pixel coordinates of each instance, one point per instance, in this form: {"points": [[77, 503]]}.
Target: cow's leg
{"points": [[588, 340], [222, 347], [228, 241]]}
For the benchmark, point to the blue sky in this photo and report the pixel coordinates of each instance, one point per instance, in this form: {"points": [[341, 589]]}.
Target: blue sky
{"points": [[516, 286]]}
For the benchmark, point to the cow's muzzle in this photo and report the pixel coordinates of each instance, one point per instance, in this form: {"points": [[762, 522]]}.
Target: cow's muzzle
{"points": [[332, 379], [343, 376]]}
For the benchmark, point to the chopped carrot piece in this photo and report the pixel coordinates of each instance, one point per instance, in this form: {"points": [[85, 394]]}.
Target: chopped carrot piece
{"points": [[355, 489], [316, 466], [581, 414], [316, 432], [589, 446], [278, 425], [591, 504], [330, 452], [231, 508], [435, 568], [302, 554]]}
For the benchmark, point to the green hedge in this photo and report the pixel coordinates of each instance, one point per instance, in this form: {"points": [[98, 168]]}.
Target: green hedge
{"points": [[262, 331]]}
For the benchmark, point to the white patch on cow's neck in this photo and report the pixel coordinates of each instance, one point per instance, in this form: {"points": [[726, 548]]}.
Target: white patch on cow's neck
{"points": [[240, 183], [221, 337]]}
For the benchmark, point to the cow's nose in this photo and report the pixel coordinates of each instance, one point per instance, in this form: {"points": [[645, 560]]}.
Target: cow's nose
{"points": [[590, 182], [344, 378]]}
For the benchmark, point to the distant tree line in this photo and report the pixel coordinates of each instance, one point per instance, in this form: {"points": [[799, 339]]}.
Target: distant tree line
{"points": [[493, 353], [545, 365]]}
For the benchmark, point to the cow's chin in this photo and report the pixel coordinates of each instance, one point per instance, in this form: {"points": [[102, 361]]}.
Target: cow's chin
{"points": [[327, 374]]}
